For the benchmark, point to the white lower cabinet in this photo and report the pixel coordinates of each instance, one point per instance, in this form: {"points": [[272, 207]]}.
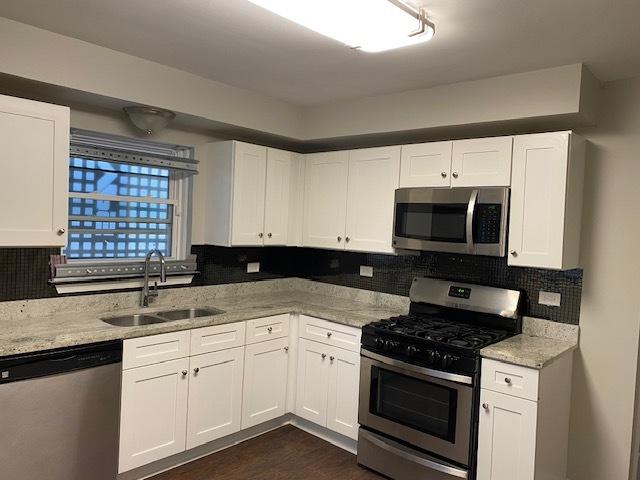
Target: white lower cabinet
{"points": [[507, 437], [153, 418], [265, 381], [327, 388], [215, 395]]}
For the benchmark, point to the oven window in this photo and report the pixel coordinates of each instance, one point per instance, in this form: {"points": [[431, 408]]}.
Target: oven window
{"points": [[415, 403], [432, 222]]}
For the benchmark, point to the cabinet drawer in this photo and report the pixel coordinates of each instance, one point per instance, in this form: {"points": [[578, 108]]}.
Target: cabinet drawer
{"points": [[138, 352], [267, 328], [510, 379], [330, 333], [217, 337]]}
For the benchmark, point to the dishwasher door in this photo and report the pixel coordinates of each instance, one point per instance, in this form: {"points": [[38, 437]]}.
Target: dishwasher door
{"points": [[60, 420]]}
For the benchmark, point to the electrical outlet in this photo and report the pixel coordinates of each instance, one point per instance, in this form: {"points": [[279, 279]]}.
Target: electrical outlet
{"points": [[366, 271], [253, 267], [549, 298]]}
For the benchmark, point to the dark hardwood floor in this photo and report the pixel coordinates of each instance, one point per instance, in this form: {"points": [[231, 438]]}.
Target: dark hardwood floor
{"points": [[287, 453]]}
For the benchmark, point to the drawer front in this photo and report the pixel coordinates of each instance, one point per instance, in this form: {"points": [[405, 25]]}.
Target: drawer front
{"points": [[330, 333], [513, 380], [267, 328], [217, 337], [138, 352]]}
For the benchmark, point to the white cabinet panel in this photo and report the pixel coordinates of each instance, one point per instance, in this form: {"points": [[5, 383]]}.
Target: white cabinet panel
{"points": [[151, 349], [373, 179], [217, 337], [154, 413], [426, 165], [267, 328], [215, 395], [343, 391], [265, 381], [313, 381], [507, 437], [35, 173], [510, 379], [276, 204], [324, 331], [325, 200], [249, 173], [546, 199], [482, 162]]}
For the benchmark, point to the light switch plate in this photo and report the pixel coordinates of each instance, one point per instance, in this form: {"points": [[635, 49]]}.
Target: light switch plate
{"points": [[549, 298], [366, 271], [253, 267]]}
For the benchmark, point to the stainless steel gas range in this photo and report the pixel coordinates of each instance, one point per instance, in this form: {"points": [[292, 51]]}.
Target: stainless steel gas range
{"points": [[420, 379]]}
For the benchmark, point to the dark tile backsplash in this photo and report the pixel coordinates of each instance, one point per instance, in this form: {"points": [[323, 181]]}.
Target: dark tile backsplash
{"points": [[23, 273]]}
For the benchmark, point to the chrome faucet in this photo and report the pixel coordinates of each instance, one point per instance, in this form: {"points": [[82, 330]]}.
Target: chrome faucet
{"points": [[144, 301]]}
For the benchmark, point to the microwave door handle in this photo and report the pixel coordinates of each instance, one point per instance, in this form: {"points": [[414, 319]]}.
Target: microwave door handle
{"points": [[471, 211]]}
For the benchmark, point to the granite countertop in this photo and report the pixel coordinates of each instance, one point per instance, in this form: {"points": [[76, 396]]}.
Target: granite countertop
{"points": [[30, 334]]}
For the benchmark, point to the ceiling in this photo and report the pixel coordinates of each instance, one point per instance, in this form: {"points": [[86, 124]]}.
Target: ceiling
{"points": [[238, 43]]}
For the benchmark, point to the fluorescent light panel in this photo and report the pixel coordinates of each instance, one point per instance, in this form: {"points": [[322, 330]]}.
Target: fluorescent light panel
{"points": [[369, 25]]}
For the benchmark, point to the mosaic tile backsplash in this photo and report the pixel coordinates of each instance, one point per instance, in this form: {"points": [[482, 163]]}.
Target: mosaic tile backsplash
{"points": [[23, 273]]}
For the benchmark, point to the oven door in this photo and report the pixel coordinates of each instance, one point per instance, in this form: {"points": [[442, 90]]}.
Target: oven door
{"points": [[429, 409]]}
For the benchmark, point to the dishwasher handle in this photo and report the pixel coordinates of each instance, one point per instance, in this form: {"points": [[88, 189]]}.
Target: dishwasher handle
{"points": [[59, 361]]}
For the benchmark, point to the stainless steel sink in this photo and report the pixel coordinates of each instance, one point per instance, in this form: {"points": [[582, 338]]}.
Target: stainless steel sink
{"points": [[187, 313], [133, 320]]}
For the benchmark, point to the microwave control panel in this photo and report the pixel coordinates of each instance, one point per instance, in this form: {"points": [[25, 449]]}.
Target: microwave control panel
{"points": [[487, 223]]}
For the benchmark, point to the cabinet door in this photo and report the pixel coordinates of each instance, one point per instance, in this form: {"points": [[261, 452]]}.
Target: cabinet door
{"points": [[482, 162], [325, 200], [506, 438], [313, 381], [538, 196], [265, 381], [342, 405], [426, 165], [215, 395], [34, 184], [276, 205], [373, 179], [154, 413], [249, 173]]}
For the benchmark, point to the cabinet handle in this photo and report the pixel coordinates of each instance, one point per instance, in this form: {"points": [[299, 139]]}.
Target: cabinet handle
{"points": [[269, 235], [443, 174], [339, 238], [286, 349], [347, 239], [329, 334], [324, 355], [261, 235], [514, 253], [507, 380], [269, 329], [332, 358], [61, 231], [196, 370], [454, 174], [184, 373], [485, 406]]}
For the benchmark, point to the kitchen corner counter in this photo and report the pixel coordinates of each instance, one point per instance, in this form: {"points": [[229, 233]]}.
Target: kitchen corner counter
{"points": [[24, 334], [541, 343]]}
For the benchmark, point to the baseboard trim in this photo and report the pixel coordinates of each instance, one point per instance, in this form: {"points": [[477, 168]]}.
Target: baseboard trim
{"points": [[147, 471]]}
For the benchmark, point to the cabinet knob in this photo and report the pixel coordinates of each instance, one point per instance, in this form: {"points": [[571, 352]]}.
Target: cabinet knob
{"points": [[507, 380], [196, 370], [514, 253], [339, 238], [261, 235], [485, 406], [269, 329], [286, 349], [332, 358], [324, 355], [329, 334], [184, 373], [61, 231], [269, 235], [347, 239], [455, 175], [443, 174]]}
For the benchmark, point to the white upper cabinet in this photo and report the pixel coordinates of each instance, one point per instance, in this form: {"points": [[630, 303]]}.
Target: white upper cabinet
{"points": [[482, 162], [247, 194], [35, 173], [373, 179], [325, 199], [276, 203], [546, 201], [426, 165]]}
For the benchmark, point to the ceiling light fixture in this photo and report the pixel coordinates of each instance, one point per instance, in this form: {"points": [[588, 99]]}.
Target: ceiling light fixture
{"points": [[368, 25], [149, 119]]}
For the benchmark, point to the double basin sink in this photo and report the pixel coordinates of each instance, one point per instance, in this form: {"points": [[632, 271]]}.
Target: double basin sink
{"points": [[139, 319]]}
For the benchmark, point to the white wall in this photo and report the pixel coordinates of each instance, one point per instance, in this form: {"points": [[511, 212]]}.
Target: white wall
{"points": [[604, 383]]}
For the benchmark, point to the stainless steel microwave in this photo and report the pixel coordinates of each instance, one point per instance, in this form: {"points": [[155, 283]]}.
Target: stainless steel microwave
{"points": [[456, 220]]}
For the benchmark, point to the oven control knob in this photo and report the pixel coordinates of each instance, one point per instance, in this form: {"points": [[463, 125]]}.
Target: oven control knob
{"points": [[437, 358], [379, 343], [447, 360], [391, 345], [411, 350], [431, 356]]}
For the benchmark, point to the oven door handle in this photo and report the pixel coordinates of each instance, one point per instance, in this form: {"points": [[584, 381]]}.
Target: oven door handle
{"points": [[404, 452], [471, 211], [453, 377]]}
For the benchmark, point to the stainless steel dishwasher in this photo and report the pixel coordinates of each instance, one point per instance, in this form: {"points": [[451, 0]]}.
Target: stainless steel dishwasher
{"points": [[59, 413]]}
